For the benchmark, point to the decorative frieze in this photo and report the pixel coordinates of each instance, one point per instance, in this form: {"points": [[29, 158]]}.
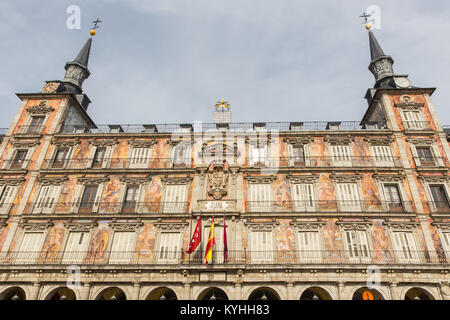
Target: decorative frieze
{"points": [[339, 140], [421, 141], [35, 226], [401, 225], [261, 225], [298, 141], [66, 143], [52, 180], [170, 226], [307, 225], [105, 142], [311, 178], [408, 105], [379, 141], [80, 226], [141, 143], [176, 180], [361, 225], [92, 180], [345, 177], [434, 179], [444, 226], [125, 226], [388, 177], [260, 179], [25, 144], [41, 108], [11, 182], [135, 180]]}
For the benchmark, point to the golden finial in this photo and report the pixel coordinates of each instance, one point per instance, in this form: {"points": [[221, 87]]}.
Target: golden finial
{"points": [[96, 22], [368, 26], [223, 104], [365, 16]]}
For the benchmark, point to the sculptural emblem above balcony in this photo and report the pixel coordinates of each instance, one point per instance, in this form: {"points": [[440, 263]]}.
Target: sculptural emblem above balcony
{"points": [[217, 179]]}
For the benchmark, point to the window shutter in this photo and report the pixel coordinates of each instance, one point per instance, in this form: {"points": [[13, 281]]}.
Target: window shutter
{"points": [[8, 159], [30, 248], [291, 155], [169, 246], [107, 156], [307, 152], [309, 246], [252, 154], [98, 197], [76, 247], [446, 236], [348, 194], [122, 247], [415, 156], [341, 155], [8, 195], [77, 199], [140, 157], [382, 155], [48, 197], [437, 156], [90, 159], [27, 158], [175, 198]]}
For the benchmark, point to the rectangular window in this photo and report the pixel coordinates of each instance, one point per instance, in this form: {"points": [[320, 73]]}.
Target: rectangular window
{"points": [[48, 197], [440, 199], [357, 246], [258, 155], [341, 155], [122, 249], [405, 246], [140, 157], [262, 250], [309, 246], [60, 158], [175, 199], [30, 248], [348, 197], [425, 156], [19, 159], [304, 197], [131, 197], [7, 195], [260, 199], [413, 120], [88, 198], [99, 156], [181, 155], [298, 154], [382, 156], [169, 247], [446, 242], [35, 125], [76, 247], [394, 201]]}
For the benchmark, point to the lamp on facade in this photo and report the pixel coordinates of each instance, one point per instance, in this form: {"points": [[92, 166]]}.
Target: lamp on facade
{"points": [[264, 297], [163, 297], [315, 297], [63, 297], [113, 297], [15, 297], [213, 297]]}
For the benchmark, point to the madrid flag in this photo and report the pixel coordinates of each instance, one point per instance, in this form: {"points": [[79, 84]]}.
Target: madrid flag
{"points": [[196, 237], [210, 244]]}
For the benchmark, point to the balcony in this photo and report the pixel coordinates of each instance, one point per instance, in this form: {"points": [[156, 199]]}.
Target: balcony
{"points": [[329, 206], [29, 130], [412, 125], [114, 163], [297, 258], [106, 208], [16, 164], [439, 207]]}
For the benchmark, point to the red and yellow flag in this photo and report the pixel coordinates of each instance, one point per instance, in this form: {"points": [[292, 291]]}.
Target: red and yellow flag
{"points": [[210, 244]]}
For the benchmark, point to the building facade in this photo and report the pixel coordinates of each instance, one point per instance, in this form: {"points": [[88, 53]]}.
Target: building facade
{"points": [[312, 210]]}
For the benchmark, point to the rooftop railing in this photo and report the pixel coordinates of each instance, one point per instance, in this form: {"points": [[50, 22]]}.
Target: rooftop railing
{"points": [[233, 127], [29, 129], [237, 257]]}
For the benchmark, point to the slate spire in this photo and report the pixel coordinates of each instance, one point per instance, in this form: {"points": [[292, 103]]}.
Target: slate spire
{"points": [[77, 70], [381, 64]]}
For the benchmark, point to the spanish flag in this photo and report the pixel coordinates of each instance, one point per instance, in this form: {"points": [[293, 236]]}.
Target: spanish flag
{"points": [[210, 244]]}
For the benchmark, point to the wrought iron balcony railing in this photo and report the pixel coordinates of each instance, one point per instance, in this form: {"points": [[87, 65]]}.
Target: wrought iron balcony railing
{"points": [[272, 162], [439, 206], [329, 206], [29, 129], [235, 257], [417, 125], [106, 207], [232, 127], [15, 164]]}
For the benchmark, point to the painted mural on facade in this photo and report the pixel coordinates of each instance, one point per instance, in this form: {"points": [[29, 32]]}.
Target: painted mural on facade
{"points": [[54, 242], [436, 240], [327, 196], [319, 153], [381, 242], [97, 246], [80, 155], [282, 193], [110, 200], [120, 154], [153, 195], [145, 243], [361, 153], [372, 201], [160, 154], [285, 242], [67, 196], [332, 239]]}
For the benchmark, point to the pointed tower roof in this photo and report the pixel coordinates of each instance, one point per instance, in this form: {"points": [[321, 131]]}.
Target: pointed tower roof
{"points": [[375, 48], [83, 56]]}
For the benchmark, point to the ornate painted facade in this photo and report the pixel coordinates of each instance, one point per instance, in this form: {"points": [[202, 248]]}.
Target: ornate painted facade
{"points": [[312, 209]]}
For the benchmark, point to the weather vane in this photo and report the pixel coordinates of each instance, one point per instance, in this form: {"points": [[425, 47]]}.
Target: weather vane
{"points": [[223, 105], [96, 26], [365, 16]]}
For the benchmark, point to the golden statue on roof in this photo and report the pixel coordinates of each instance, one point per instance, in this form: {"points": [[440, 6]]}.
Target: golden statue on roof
{"points": [[222, 105]]}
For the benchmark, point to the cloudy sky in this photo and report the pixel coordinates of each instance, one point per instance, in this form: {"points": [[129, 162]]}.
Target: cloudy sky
{"points": [[169, 61]]}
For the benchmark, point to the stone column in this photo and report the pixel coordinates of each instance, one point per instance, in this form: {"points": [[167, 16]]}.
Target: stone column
{"points": [[394, 291], [237, 292], [85, 291], [290, 291], [186, 291], [136, 291], [34, 293], [341, 286]]}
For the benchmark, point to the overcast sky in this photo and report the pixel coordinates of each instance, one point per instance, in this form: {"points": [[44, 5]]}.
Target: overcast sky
{"points": [[169, 61]]}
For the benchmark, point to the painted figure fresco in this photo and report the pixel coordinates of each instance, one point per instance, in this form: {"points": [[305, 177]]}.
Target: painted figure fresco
{"points": [[327, 197], [110, 200], [371, 196], [282, 193], [285, 242], [3, 236], [145, 243], [80, 155], [160, 154], [67, 196], [319, 154], [97, 246], [381, 242], [120, 155], [284, 154], [332, 240], [436, 241], [153, 195], [53, 244], [361, 153]]}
